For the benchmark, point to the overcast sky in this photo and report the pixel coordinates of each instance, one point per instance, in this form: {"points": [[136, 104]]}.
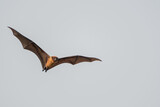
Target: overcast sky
{"points": [[125, 34]]}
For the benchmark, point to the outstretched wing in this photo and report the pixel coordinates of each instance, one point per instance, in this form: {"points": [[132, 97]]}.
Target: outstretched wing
{"points": [[75, 60], [30, 45]]}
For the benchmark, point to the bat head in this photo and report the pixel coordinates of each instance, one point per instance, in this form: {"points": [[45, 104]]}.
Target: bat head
{"points": [[55, 58]]}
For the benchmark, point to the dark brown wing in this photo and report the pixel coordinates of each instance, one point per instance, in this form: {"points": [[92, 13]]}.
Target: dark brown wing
{"points": [[75, 60], [30, 45]]}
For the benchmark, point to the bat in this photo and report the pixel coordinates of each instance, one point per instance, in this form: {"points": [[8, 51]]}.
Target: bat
{"points": [[47, 61]]}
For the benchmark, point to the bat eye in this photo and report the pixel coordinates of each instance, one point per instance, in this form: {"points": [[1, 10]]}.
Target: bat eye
{"points": [[55, 59]]}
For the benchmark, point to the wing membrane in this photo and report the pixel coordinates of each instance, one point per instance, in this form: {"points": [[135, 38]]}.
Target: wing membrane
{"points": [[33, 47], [75, 60]]}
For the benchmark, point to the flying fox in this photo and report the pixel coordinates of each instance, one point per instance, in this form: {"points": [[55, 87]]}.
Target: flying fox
{"points": [[46, 60]]}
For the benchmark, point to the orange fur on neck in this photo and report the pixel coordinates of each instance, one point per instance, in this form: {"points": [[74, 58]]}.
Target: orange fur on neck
{"points": [[50, 61]]}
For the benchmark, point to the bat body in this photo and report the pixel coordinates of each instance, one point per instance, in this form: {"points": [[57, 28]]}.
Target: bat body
{"points": [[47, 61]]}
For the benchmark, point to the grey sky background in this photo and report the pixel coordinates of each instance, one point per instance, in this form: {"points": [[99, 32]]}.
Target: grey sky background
{"points": [[124, 34]]}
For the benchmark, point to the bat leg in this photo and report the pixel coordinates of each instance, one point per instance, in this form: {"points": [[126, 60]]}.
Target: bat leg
{"points": [[44, 69]]}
